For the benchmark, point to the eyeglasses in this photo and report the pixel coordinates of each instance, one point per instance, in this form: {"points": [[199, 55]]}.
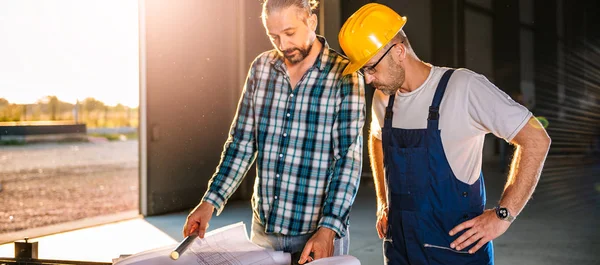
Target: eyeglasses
{"points": [[371, 69]]}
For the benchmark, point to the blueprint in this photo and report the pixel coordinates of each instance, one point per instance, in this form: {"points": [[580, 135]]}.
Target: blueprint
{"points": [[228, 245]]}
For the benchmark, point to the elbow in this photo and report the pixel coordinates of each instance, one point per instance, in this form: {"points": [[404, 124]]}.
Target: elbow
{"points": [[540, 146], [546, 141], [537, 143]]}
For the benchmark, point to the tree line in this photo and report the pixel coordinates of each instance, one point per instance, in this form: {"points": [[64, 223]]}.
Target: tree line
{"points": [[92, 112]]}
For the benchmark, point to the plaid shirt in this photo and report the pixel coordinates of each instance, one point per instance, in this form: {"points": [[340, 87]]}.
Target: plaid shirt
{"points": [[307, 143]]}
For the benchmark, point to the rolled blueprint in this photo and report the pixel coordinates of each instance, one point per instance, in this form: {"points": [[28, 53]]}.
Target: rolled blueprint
{"points": [[183, 246]]}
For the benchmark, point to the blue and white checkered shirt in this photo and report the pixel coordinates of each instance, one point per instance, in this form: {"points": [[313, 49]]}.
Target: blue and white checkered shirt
{"points": [[307, 143]]}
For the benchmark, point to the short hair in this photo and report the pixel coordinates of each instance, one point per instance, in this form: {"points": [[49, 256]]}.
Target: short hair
{"points": [[306, 5]]}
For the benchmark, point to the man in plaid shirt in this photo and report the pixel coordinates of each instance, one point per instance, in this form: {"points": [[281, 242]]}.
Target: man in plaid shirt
{"points": [[301, 120]]}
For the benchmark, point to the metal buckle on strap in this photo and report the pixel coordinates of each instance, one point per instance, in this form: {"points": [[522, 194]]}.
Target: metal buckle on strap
{"points": [[434, 113]]}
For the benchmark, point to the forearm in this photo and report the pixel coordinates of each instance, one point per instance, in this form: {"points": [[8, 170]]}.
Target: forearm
{"points": [[235, 163], [526, 167], [376, 156], [342, 189]]}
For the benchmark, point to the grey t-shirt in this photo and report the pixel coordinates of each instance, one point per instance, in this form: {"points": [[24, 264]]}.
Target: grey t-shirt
{"points": [[471, 107]]}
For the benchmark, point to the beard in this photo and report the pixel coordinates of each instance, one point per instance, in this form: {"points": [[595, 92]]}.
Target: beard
{"points": [[397, 77], [295, 57]]}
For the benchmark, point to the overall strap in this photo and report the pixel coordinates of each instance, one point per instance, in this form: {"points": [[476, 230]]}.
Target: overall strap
{"points": [[434, 109], [389, 112]]}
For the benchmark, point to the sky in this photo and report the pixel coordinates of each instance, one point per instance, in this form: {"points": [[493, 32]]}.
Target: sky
{"points": [[73, 49]]}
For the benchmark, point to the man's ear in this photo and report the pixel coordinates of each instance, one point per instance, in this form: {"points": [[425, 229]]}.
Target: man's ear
{"points": [[313, 22], [402, 51]]}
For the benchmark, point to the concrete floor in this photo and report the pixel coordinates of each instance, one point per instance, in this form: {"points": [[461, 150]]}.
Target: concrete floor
{"points": [[559, 226]]}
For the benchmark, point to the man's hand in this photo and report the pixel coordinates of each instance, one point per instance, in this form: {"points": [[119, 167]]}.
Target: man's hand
{"points": [[321, 244], [483, 228], [382, 222], [198, 219]]}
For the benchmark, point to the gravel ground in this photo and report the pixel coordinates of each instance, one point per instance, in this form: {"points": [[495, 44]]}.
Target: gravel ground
{"points": [[44, 184]]}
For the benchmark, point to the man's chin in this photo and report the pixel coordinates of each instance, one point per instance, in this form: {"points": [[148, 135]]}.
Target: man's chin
{"points": [[388, 92], [294, 59]]}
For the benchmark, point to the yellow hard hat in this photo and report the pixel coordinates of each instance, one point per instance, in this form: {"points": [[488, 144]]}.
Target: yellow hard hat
{"points": [[367, 31]]}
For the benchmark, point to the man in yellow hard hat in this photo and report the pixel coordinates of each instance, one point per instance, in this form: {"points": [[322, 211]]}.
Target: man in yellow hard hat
{"points": [[301, 120], [426, 144]]}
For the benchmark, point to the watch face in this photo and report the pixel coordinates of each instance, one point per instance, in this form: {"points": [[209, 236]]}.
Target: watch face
{"points": [[502, 213]]}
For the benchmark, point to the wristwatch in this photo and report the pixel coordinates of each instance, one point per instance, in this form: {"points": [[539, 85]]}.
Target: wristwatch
{"points": [[504, 214]]}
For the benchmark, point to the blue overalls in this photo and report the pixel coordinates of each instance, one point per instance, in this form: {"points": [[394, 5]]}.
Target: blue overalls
{"points": [[425, 199]]}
